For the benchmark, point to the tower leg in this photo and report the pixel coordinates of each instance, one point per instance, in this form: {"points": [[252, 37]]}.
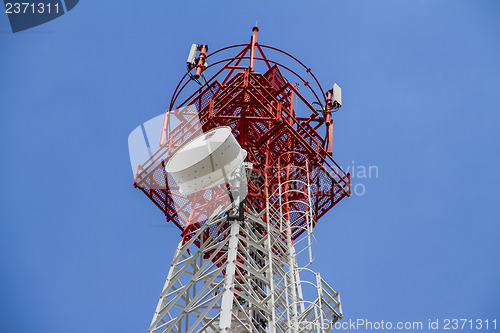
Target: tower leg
{"points": [[227, 296]]}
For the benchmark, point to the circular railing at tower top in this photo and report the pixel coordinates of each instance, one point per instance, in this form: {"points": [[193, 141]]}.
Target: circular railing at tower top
{"points": [[225, 64]]}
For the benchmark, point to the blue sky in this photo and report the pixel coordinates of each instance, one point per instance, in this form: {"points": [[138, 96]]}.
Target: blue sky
{"points": [[81, 250]]}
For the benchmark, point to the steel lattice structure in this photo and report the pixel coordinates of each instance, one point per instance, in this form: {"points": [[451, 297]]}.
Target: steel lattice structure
{"points": [[241, 273]]}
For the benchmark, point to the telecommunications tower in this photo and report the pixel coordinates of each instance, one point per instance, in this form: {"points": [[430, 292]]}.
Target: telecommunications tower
{"points": [[245, 170]]}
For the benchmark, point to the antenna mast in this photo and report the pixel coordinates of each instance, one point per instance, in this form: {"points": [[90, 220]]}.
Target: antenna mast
{"points": [[241, 265]]}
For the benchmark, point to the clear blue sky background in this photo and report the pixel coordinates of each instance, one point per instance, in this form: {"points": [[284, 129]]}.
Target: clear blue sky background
{"points": [[81, 250]]}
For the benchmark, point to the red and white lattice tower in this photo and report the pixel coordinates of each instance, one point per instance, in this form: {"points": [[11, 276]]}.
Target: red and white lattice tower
{"points": [[245, 269]]}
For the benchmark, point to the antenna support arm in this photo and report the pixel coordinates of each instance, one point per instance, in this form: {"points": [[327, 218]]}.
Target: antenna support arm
{"points": [[201, 61], [329, 122]]}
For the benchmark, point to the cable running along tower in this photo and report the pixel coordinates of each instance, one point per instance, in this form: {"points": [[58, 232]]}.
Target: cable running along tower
{"points": [[245, 170]]}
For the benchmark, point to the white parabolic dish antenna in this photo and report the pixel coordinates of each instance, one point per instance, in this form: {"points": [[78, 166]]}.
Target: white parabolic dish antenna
{"points": [[206, 161]]}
